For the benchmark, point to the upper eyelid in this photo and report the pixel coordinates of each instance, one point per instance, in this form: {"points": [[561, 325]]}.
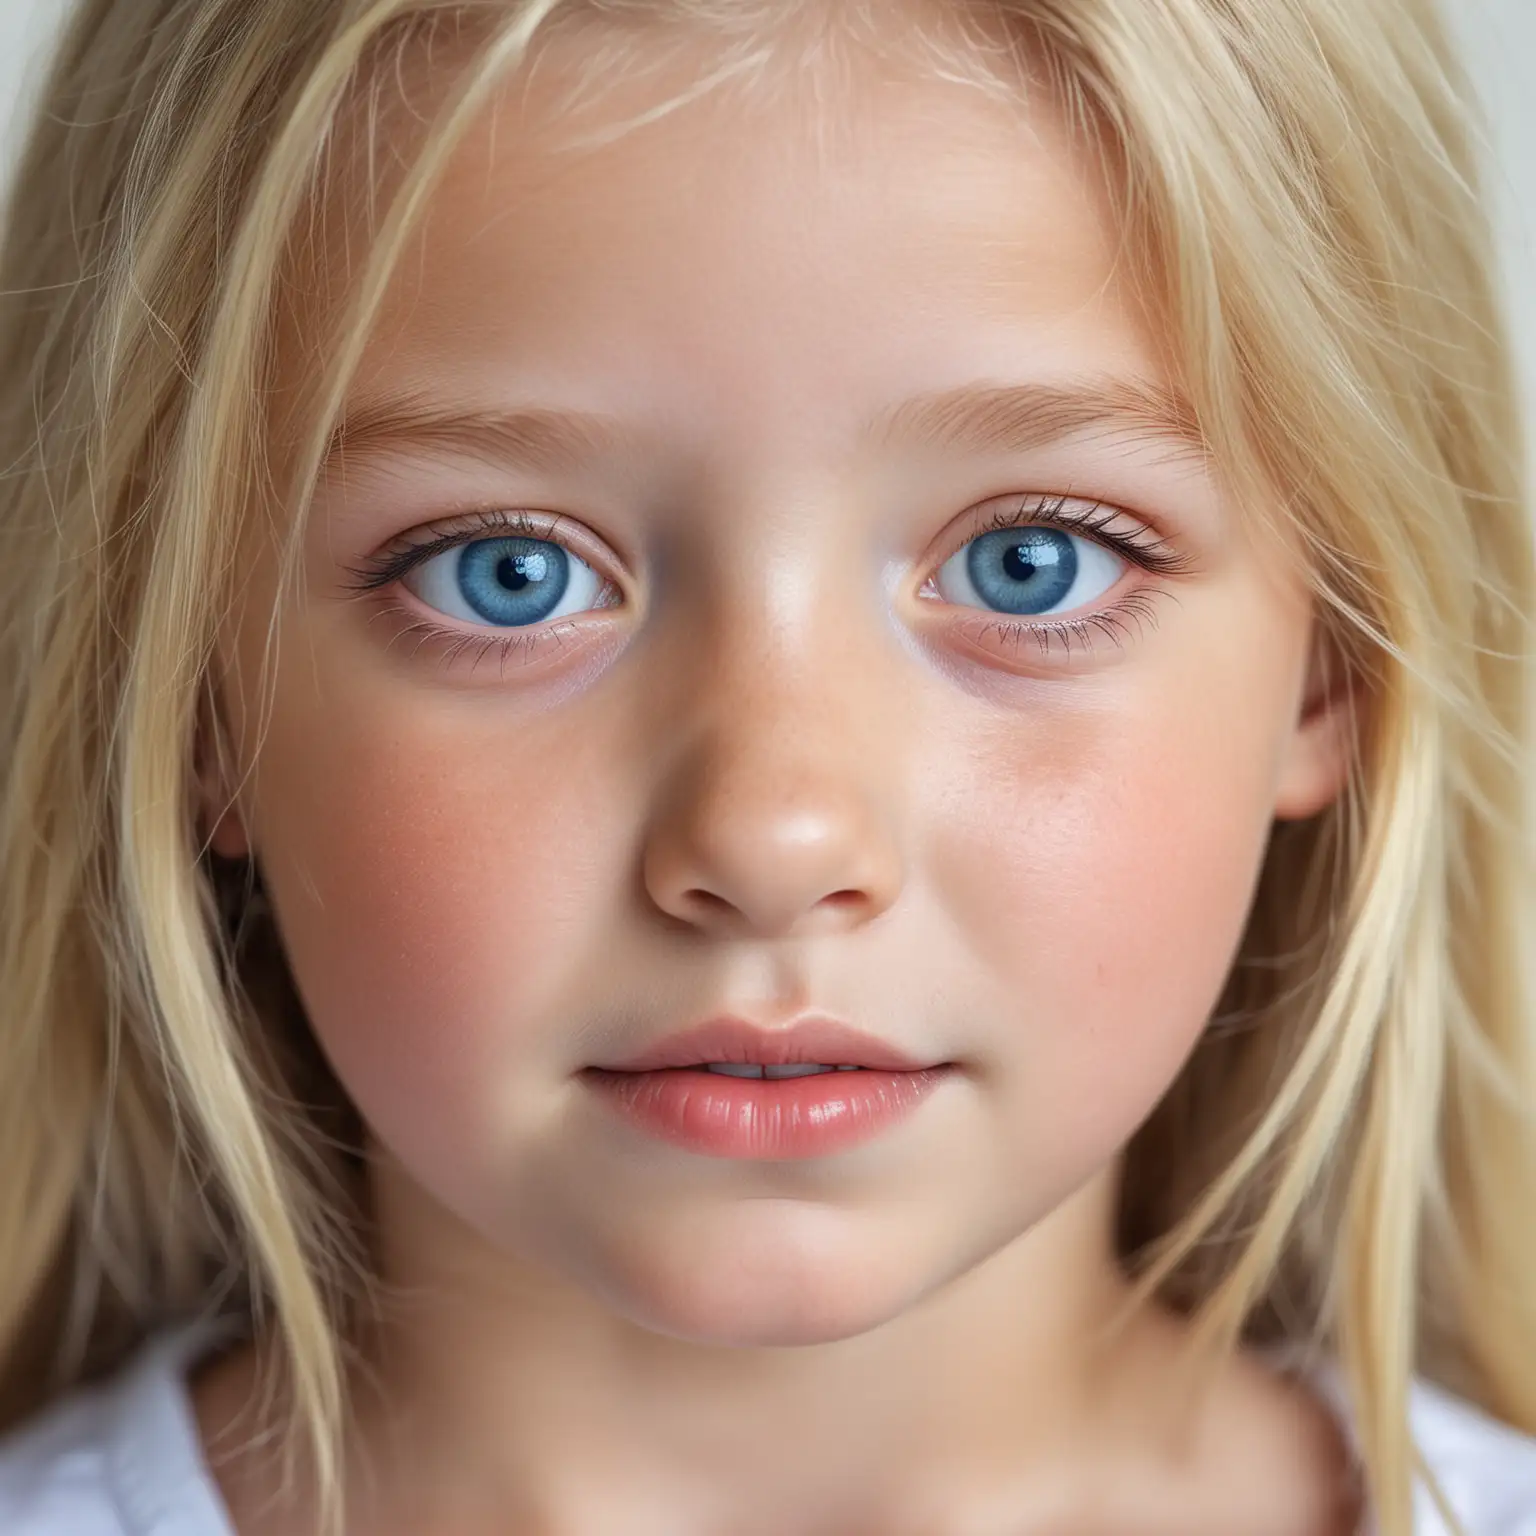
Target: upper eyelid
{"points": [[1076, 515], [403, 554], [1047, 510], [1142, 544]]}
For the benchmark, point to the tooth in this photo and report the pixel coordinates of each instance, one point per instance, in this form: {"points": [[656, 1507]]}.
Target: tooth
{"points": [[792, 1069]]}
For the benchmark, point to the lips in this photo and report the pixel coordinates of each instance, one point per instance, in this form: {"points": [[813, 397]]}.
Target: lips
{"points": [[728, 1040], [713, 1115]]}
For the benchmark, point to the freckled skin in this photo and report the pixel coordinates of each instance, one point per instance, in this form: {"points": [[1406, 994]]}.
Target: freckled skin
{"points": [[773, 778]]}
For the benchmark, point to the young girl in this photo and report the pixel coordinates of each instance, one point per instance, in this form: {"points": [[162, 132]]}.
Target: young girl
{"points": [[764, 772]]}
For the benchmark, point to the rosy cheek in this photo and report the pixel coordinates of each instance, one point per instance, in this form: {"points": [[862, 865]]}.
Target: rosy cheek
{"points": [[1100, 865], [432, 887]]}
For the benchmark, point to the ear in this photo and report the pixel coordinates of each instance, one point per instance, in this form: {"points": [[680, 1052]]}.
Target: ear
{"points": [[1322, 742], [219, 820]]}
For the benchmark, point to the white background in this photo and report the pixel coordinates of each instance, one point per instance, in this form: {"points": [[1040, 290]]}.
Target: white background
{"points": [[1499, 36]]}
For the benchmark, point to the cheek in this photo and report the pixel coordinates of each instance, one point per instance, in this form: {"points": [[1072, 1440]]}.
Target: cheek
{"points": [[435, 892], [1099, 866]]}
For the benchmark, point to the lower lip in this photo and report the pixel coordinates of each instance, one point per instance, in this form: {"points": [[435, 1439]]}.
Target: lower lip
{"points": [[756, 1117]]}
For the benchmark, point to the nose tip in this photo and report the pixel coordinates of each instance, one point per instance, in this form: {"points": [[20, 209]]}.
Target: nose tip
{"points": [[746, 848]]}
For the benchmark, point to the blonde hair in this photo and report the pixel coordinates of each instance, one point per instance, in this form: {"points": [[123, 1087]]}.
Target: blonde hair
{"points": [[1348, 1157]]}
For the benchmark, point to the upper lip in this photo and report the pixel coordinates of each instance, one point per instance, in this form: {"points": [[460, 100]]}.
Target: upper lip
{"points": [[822, 1040]]}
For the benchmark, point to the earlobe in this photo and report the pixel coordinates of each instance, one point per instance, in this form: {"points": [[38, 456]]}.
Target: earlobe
{"points": [[219, 820], [228, 838], [1322, 743]]}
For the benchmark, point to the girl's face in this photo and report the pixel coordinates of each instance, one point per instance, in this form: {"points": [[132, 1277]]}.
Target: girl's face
{"points": [[816, 608]]}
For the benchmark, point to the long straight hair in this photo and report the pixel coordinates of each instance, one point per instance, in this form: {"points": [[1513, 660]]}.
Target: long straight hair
{"points": [[1348, 1157]]}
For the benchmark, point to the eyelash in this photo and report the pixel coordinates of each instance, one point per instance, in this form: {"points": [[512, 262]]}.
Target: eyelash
{"points": [[1150, 554]]}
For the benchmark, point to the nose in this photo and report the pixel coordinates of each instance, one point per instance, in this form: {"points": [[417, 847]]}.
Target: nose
{"points": [[778, 813]]}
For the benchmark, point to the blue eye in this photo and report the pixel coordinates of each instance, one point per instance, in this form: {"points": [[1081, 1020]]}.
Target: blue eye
{"points": [[1029, 571], [507, 582]]}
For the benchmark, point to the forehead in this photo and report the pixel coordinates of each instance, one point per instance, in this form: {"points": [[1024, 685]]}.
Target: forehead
{"points": [[729, 191]]}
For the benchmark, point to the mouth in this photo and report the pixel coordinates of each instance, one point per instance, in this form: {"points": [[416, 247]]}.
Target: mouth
{"points": [[733, 1047]]}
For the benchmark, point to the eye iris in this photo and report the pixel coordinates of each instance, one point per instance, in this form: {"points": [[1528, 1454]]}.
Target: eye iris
{"points": [[512, 580], [1023, 570]]}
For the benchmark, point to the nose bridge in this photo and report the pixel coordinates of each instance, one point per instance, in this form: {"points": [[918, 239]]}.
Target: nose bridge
{"points": [[779, 621], [782, 738]]}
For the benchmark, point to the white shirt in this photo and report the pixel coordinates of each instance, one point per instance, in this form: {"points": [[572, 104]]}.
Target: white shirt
{"points": [[124, 1459]]}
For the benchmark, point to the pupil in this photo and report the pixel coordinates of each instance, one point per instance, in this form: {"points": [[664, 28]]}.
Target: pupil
{"points": [[1018, 563], [517, 571]]}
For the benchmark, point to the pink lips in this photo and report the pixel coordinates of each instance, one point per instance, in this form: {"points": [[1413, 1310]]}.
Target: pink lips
{"points": [[665, 1092]]}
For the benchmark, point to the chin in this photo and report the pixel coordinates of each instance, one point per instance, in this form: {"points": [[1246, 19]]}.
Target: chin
{"points": [[813, 1279], [757, 1316]]}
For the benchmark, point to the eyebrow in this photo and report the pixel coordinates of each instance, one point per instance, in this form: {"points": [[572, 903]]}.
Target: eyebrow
{"points": [[980, 418], [1014, 418], [538, 437]]}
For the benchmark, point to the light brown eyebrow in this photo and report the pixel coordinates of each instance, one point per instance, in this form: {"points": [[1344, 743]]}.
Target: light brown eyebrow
{"points": [[1014, 418], [539, 437], [980, 418]]}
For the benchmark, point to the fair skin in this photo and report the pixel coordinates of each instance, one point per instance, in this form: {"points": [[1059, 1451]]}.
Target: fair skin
{"points": [[782, 765]]}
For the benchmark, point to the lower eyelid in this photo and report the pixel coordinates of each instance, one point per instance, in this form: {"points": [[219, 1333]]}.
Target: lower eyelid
{"points": [[994, 638], [1118, 623], [419, 628]]}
